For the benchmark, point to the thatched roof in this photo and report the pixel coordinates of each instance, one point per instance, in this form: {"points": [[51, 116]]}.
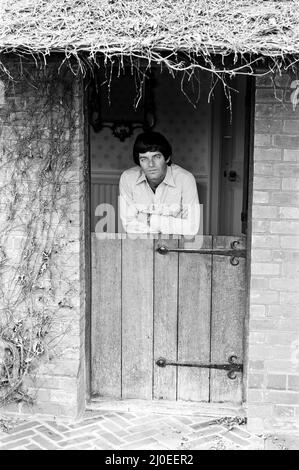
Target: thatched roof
{"points": [[142, 28]]}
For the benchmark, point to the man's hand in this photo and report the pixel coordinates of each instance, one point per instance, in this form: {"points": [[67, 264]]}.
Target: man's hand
{"points": [[155, 223], [142, 217]]}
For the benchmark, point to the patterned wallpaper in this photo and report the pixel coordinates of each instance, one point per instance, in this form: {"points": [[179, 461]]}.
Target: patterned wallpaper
{"points": [[187, 129]]}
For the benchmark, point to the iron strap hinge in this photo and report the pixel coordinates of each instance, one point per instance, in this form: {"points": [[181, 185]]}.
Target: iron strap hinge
{"points": [[231, 366], [233, 252]]}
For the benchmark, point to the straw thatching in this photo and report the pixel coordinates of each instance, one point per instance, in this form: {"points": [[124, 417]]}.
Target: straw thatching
{"points": [[151, 29]]}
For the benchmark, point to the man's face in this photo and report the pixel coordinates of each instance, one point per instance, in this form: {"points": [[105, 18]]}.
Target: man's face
{"points": [[154, 165]]}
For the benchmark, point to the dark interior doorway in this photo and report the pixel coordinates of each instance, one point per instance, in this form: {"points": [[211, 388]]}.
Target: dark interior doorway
{"points": [[202, 318]]}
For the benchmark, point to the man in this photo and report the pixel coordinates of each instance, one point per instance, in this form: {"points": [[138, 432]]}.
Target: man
{"points": [[157, 196]]}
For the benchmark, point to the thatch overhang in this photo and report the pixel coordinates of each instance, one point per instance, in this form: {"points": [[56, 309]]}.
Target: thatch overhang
{"points": [[182, 34]]}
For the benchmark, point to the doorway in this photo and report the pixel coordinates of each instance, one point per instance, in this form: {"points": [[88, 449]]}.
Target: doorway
{"points": [[171, 326]]}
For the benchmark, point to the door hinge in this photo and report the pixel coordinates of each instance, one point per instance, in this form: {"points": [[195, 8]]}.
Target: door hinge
{"points": [[234, 252], [243, 216], [232, 366]]}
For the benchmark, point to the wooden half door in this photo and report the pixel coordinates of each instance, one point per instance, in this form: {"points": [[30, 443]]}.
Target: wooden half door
{"points": [[182, 307]]}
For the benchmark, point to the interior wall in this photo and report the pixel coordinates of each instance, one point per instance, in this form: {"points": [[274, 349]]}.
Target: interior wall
{"points": [[186, 126], [187, 129]]}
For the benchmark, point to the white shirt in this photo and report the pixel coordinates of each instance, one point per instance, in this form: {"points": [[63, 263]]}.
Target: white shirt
{"points": [[172, 209]]}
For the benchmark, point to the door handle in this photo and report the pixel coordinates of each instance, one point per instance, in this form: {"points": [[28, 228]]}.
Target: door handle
{"points": [[232, 175]]}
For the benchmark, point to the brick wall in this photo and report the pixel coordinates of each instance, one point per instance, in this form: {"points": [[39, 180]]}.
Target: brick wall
{"points": [[273, 376], [58, 380]]}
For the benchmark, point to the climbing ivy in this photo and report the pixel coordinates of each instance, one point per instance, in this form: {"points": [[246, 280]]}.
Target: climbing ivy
{"points": [[38, 184]]}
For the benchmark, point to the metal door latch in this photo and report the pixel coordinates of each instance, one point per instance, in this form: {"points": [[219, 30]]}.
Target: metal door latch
{"points": [[233, 252], [232, 366]]}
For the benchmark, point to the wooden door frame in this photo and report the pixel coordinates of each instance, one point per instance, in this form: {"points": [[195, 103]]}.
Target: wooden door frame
{"points": [[213, 226], [87, 237], [215, 163], [249, 168]]}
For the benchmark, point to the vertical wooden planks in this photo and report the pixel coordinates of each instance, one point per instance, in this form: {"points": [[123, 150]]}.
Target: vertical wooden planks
{"points": [[194, 321], [165, 319], [137, 318], [228, 313], [106, 315]]}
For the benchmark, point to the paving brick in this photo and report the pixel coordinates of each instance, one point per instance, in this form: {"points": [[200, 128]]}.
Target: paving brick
{"points": [[201, 425], [82, 446], [110, 425], [15, 444], [33, 447], [138, 428], [82, 431], [102, 444], [148, 419], [121, 420], [163, 432], [197, 443], [122, 433], [140, 435], [213, 429], [241, 432], [179, 425], [24, 426], [127, 415], [142, 444], [44, 443], [236, 439], [111, 438], [58, 426], [88, 422], [183, 419], [49, 433], [18, 435], [77, 440]]}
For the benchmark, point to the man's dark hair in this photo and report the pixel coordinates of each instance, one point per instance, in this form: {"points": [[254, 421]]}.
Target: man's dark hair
{"points": [[151, 142]]}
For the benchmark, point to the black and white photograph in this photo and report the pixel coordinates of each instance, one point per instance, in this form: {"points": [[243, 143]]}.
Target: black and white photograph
{"points": [[149, 228]]}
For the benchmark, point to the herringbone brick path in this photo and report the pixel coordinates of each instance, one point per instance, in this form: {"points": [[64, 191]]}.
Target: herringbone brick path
{"points": [[130, 430]]}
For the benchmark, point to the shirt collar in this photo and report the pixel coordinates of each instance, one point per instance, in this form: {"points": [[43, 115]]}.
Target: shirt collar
{"points": [[169, 177], [167, 180]]}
